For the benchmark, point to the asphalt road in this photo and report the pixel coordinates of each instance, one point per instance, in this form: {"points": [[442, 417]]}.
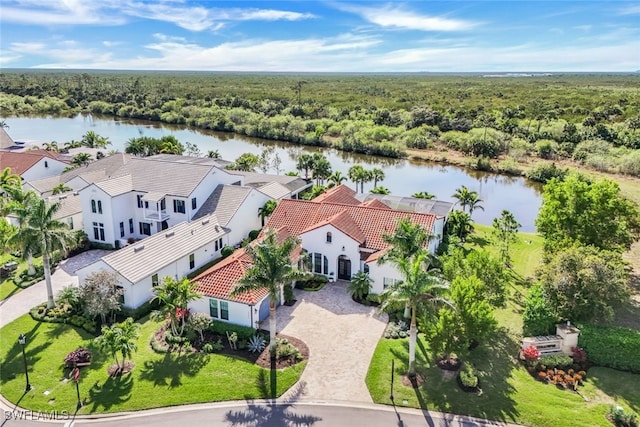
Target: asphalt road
{"points": [[264, 414]]}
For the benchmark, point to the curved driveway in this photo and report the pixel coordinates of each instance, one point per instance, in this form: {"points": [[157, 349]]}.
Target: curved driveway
{"points": [[341, 335]]}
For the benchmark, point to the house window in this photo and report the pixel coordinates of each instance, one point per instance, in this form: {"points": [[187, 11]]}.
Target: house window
{"points": [[317, 263], [213, 308], [178, 206], [120, 291], [192, 261], [366, 268], [154, 280], [122, 229], [46, 164], [387, 281], [163, 204], [139, 200], [220, 244], [329, 237], [224, 310], [216, 245], [325, 268], [145, 228], [98, 231], [93, 206], [70, 222], [99, 207], [194, 204], [131, 225]]}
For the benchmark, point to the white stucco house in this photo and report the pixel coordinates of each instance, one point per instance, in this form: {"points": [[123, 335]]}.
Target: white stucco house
{"points": [[341, 235], [174, 253], [32, 165]]}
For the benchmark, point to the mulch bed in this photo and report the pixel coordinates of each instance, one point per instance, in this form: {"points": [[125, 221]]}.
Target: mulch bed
{"points": [[117, 371], [414, 382], [448, 363], [261, 359]]}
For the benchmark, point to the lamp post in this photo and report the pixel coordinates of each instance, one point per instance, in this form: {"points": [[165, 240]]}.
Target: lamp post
{"points": [[22, 339]]}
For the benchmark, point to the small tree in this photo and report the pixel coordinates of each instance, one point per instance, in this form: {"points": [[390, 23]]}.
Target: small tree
{"points": [[101, 295], [175, 296], [505, 231], [537, 317], [119, 338], [199, 322]]}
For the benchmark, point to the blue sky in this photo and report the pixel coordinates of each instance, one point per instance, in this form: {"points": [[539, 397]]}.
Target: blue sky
{"points": [[323, 36]]}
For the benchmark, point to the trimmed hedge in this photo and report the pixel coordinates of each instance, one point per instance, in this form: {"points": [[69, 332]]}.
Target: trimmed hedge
{"points": [[221, 328], [611, 346], [54, 315], [140, 312]]}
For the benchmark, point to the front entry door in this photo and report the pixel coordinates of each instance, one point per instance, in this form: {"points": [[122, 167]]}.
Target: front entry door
{"points": [[344, 268]]}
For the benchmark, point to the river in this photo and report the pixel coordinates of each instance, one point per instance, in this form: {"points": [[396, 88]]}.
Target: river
{"points": [[403, 177]]}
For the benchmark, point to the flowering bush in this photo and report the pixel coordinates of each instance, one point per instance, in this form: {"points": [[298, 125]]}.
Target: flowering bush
{"points": [[579, 355], [530, 355]]}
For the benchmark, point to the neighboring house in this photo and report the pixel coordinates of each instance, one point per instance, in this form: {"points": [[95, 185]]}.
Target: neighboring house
{"points": [[275, 186], [174, 253], [32, 165], [70, 211], [341, 236]]}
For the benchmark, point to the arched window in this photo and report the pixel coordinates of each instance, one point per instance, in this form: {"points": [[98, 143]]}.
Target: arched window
{"points": [[329, 237], [93, 206], [99, 206]]}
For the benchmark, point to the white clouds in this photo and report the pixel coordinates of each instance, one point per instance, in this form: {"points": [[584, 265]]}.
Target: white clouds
{"points": [[48, 13], [630, 10], [396, 17], [269, 15]]}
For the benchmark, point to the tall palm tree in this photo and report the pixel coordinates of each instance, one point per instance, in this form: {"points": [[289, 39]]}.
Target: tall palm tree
{"points": [[380, 190], [41, 233], [81, 159], [60, 188], [378, 175], [407, 239], [119, 338], [9, 179], [17, 202], [356, 174], [272, 268], [474, 202], [305, 163], [175, 296], [336, 179], [419, 286], [463, 195], [266, 210], [321, 168]]}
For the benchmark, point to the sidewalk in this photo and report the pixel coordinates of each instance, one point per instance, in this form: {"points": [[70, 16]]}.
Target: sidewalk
{"points": [[64, 275]]}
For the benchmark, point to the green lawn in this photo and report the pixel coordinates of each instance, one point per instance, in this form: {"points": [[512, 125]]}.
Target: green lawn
{"points": [[7, 285], [509, 393], [157, 380]]}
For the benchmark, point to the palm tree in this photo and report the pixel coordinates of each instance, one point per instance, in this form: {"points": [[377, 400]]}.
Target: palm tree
{"points": [[357, 174], [367, 176], [305, 162], [93, 140], [474, 202], [60, 188], [424, 195], [407, 239], [119, 338], [459, 224], [321, 168], [51, 146], [9, 179], [272, 268], [463, 195], [378, 175], [266, 210], [380, 190], [3, 124], [418, 287], [360, 285], [175, 296], [214, 154], [336, 179], [18, 202], [41, 233], [81, 159]]}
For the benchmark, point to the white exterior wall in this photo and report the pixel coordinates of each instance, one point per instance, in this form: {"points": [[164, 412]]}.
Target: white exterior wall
{"points": [[316, 241], [246, 218], [122, 210], [239, 314], [74, 220], [94, 193], [39, 170], [205, 188], [438, 230], [378, 272]]}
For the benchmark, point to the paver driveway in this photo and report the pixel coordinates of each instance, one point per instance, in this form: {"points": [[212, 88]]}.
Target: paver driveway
{"points": [[341, 336]]}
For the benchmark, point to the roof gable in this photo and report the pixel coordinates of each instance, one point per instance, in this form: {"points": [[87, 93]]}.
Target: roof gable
{"points": [[21, 162], [225, 201], [340, 194]]}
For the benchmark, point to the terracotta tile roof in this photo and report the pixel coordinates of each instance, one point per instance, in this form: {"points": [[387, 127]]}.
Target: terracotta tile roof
{"points": [[343, 222], [300, 215], [340, 194], [220, 280], [23, 161], [375, 203]]}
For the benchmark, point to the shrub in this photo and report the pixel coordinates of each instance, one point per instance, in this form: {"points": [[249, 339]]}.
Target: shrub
{"points": [[221, 328], [468, 376], [257, 344], [288, 293], [622, 418], [578, 354], [79, 355], [611, 346], [226, 251], [531, 355], [207, 348], [544, 172], [396, 330], [253, 234], [551, 361], [140, 312]]}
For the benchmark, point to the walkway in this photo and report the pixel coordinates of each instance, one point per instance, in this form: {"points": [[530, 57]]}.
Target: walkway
{"points": [[341, 335], [64, 275]]}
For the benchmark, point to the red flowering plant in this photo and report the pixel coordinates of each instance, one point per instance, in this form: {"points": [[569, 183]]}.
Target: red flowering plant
{"points": [[530, 355]]}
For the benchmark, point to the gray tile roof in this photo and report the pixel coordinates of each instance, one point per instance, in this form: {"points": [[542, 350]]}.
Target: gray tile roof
{"points": [[69, 205], [147, 256], [191, 160], [254, 179], [410, 204], [224, 202], [275, 190], [116, 186]]}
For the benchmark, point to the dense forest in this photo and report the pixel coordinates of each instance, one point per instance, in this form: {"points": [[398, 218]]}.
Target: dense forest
{"points": [[590, 120]]}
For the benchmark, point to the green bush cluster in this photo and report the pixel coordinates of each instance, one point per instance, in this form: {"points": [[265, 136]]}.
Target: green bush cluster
{"points": [[611, 346], [315, 283], [63, 314], [554, 361], [621, 418], [226, 251], [469, 376], [140, 312], [221, 328]]}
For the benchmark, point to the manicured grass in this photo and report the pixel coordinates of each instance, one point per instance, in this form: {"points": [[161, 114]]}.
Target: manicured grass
{"points": [[509, 393], [157, 379], [8, 286]]}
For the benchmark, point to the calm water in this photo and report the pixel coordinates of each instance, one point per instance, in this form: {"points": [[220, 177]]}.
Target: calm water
{"points": [[403, 177]]}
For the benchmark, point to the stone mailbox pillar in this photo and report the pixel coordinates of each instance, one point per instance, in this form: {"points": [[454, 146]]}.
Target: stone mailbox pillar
{"points": [[569, 336]]}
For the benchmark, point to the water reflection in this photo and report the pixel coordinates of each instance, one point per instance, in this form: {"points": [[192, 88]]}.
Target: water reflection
{"points": [[403, 177]]}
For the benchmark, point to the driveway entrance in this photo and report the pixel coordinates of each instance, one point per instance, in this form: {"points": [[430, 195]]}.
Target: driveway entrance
{"points": [[341, 335]]}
